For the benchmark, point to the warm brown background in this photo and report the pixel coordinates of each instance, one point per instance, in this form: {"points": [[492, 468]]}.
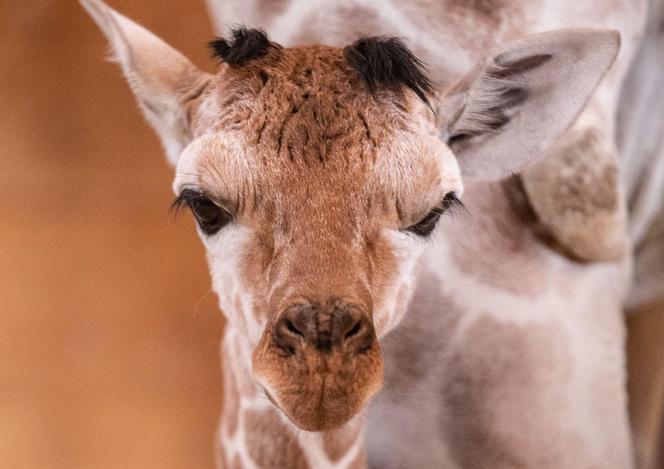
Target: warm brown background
{"points": [[108, 332]]}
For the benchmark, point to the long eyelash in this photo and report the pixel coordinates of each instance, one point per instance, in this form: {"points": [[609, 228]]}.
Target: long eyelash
{"points": [[184, 199], [452, 204]]}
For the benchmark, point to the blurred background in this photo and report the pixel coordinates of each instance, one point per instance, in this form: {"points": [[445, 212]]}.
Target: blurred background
{"points": [[108, 330]]}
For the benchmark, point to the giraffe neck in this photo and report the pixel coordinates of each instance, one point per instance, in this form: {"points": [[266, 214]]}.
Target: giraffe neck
{"points": [[253, 433]]}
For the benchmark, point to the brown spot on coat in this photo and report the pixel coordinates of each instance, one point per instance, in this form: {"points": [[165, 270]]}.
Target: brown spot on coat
{"points": [[487, 388], [236, 463], [336, 443], [360, 462], [491, 9], [271, 443]]}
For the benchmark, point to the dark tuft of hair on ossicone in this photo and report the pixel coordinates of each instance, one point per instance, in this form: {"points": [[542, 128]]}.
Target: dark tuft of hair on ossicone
{"points": [[245, 44], [386, 61]]}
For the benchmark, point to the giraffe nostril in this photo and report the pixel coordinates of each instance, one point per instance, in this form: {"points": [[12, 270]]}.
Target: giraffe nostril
{"points": [[354, 330], [287, 335], [290, 326], [360, 337], [326, 327]]}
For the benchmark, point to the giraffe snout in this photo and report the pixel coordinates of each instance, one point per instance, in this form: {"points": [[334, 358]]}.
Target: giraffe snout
{"points": [[319, 361], [325, 327]]}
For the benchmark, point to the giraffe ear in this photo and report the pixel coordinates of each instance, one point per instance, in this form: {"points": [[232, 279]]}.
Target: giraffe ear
{"points": [[507, 112], [164, 82]]}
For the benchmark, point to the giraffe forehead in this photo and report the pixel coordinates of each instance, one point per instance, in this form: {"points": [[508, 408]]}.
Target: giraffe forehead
{"points": [[304, 97], [304, 125]]}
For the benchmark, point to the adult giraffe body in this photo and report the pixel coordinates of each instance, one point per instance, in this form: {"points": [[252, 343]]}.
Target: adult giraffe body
{"points": [[509, 351]]}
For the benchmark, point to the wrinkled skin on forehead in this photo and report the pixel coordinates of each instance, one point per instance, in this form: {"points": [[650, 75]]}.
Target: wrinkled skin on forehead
{"points": [[321, 177]]}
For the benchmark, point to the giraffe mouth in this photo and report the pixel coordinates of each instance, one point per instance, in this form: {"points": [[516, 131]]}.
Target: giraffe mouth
{"points": [[318, 391]]}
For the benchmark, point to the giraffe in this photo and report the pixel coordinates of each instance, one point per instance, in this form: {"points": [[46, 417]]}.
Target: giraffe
{"points": [[321, 183]]}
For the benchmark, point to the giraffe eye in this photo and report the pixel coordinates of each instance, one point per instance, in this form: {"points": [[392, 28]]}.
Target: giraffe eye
{"points": [[426, 225], [209, 216]]}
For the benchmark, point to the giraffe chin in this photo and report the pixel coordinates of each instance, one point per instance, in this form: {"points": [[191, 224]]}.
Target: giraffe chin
{"points": [[318, 391]]}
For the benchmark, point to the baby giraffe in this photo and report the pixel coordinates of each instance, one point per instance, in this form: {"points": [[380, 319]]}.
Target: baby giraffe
{"points": [[317, 177]]}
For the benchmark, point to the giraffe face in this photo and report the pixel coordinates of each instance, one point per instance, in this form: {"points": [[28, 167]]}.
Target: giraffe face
{"points": [[314, 200]]}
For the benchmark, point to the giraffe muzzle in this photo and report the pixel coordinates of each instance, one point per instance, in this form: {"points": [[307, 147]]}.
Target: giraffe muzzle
{"points": [[319, 362]]}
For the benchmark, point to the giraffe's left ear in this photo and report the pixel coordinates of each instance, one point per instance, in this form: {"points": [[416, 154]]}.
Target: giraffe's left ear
{"points": [[505, 114], [164, 81]]}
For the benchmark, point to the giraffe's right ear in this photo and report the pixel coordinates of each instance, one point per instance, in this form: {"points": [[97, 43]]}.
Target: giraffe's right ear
{"points": [[164, 81]]}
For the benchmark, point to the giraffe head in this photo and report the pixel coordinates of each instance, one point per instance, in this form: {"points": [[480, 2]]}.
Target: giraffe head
{"points": [[316, 176]]}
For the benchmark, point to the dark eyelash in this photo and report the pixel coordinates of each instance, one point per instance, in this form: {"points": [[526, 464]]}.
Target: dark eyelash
{"points": [[452, 204], [209, 216], [184, 199]]}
